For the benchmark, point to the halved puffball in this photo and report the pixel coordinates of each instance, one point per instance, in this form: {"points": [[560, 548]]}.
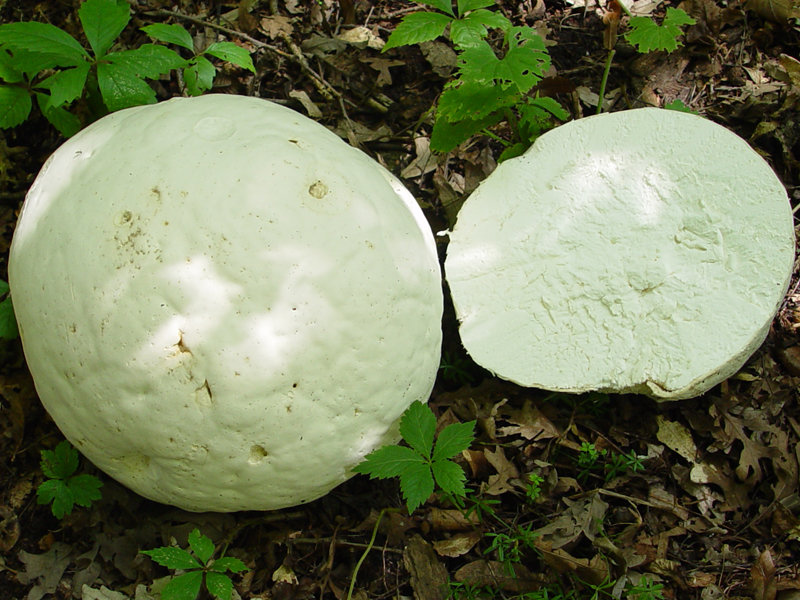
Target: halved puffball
{"points": [[643, 251], [223, 305]]}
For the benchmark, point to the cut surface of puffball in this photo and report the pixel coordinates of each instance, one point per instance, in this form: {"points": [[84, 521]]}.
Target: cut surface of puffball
{"points": [[643, 251], [223, 305]]}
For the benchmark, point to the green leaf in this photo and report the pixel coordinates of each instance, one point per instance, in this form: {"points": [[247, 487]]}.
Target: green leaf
{"points": [[389, 461], [85, 489], [8, 69], [67, 85], [219, 585], [103, 21], [63, 120], [678, 105], [228, 563], [173, 558], [536, 116], [57, 491], [183, 587], [473, 28], [524, 63], [43, 38], [8, 322], [201, 545], [449, 477], [232, 53], [416, 483], [417, 28], [446, 135], [465, 6], [474, 101], [15, 105], [442, 5], [121, 88], [199, 75], [418, 426], [148, 60], [478, 64], [647, 36], [170, 34], [61, 462], [453, 439], [31, 63]]}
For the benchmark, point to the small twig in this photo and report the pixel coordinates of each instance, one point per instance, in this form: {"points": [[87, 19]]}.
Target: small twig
{"points": [[323, 87], [336, 542]]}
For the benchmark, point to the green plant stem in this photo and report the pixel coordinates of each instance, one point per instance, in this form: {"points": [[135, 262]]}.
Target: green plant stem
{"points": [[606, 71], [364, 555]]}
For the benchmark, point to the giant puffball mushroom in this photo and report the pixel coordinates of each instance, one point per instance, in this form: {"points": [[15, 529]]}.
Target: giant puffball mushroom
{"points": [[644, 251], [223, 305]]}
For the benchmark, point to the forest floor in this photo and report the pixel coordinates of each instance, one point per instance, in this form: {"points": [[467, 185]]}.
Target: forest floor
{"points": [[630, 498]]}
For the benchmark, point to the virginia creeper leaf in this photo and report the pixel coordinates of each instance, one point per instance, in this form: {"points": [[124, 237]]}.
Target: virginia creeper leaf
{"points": [[201, 545], [453, 439], [418, 426], [43, 38], [15, 105], [232, 53], [103, 21], [417, 28], [170, 34], [173, 558], [183, 587]]}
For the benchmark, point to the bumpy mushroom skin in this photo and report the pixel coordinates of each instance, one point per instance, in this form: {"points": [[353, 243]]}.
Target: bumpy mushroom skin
{"points": [[643, 251], [223, 305]]}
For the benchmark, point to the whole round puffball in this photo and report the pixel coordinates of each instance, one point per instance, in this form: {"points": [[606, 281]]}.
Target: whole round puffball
{"points": [[223, 305]]}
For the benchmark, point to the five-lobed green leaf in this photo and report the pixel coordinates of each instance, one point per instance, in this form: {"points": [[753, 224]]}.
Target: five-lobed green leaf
{"points": [[646, 35], [425, 464]]}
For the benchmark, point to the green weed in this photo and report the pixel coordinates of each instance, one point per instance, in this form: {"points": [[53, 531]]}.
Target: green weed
{"points": [[64, 489], [420, 465], [199, 568], [43, 62]]}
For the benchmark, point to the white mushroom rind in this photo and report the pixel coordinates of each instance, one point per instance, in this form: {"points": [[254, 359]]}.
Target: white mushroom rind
{"points": [[223, 305], [643, 251]]}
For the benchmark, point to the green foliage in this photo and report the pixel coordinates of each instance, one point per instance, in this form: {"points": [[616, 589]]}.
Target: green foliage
{"points": [[645, 589], [8, 322], [63, 488], [489, 87], [591, 459], [198, 566], [679, 106], [199, 72], [646, 35], [421, 464], [534, 488], [42, 62], [509, 548]]}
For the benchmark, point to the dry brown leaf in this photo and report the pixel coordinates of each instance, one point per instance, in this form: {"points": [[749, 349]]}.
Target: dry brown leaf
{"points": [[594, 570], [583, 516], [429, 578], [530, 423], [506, 471], [762, 577], [274, 26], [458, 545], [482, 573], [441, 519]]}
